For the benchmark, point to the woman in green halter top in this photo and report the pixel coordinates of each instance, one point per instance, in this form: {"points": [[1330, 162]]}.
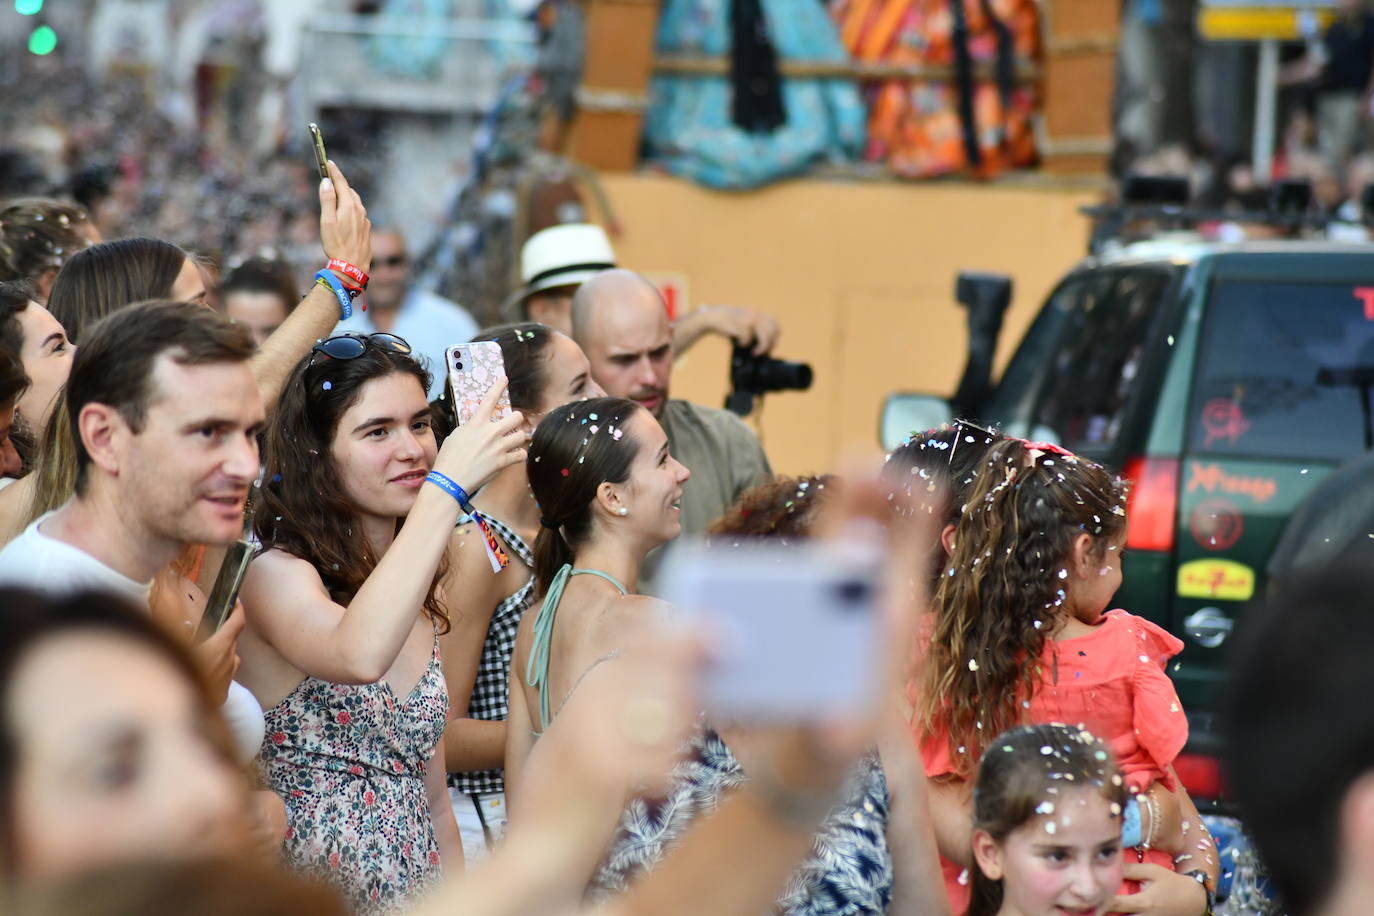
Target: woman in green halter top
{"points": [[608, 493]]}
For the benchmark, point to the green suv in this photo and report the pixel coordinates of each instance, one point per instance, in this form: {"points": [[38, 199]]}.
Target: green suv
{"points": [[1225, 381]]}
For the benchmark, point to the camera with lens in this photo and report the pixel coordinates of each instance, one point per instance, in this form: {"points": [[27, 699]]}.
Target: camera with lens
{"points": [[751, 376]]}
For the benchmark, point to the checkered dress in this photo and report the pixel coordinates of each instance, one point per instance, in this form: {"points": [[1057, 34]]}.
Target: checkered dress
{"points": [[491, 690]]}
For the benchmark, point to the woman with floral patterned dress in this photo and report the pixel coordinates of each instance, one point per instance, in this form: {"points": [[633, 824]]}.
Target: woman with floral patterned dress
{"points": [[342, 642]]}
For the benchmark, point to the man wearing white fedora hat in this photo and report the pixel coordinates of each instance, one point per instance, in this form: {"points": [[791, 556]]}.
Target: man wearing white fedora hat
{"points": [[556, 261]]}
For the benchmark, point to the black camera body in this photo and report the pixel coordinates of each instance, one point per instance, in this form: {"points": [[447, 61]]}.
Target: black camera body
{"points": [[751, 376]]}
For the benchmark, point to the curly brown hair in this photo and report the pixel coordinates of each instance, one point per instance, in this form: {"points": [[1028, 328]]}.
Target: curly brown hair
{"points": [[783, 507], [303, 511], [1003, 594]]}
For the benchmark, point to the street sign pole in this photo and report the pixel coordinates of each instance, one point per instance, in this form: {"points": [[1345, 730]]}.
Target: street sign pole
{"points": [[1266, 109], [1266, 22]]}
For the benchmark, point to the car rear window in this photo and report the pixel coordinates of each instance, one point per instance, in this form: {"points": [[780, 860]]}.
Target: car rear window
{"points": [[1283, 371]]}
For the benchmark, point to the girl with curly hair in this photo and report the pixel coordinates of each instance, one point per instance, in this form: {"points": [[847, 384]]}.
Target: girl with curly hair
{"points": [[1021, 634]]}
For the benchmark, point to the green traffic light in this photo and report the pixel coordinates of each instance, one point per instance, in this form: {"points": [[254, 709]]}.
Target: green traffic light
{"points": [[27, 7], [43, 40]]}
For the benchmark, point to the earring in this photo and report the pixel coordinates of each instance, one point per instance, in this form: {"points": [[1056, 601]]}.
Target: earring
{"points": [[622, 512]]}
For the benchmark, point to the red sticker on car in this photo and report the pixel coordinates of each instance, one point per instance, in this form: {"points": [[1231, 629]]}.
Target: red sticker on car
{"points": [[1222, 418], [1216, 524], [1211, 478], [1366, 295]]}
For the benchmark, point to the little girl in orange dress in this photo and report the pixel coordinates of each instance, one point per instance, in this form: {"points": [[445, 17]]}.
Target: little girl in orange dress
{"points": [[1021, 635]]}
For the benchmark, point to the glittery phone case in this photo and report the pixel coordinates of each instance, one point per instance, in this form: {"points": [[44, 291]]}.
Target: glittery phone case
{"points": [[472, 369]]}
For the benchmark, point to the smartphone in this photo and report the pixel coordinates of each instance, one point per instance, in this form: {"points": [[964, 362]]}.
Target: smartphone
{"points": [[795, 629], [321, 159], [225, 593], [472, 369]]}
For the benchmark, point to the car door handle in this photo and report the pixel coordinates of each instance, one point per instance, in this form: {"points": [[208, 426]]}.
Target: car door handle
{"points": [[1208, 627]]}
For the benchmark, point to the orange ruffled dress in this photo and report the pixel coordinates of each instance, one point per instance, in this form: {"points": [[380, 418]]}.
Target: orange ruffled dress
{"points": [[1113, 682]]}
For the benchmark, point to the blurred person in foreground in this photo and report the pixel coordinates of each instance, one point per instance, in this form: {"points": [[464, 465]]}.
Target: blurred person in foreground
{"points": [[112, 749], [395, 305], [554, 262], [1300, 738], [620, 322], [875, 850]]}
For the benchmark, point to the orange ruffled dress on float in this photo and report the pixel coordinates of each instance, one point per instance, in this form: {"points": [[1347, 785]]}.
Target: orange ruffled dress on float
{"points": [[1112, 682]]}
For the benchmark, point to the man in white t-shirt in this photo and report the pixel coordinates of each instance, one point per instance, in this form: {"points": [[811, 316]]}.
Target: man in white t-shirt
{"points": [[164, 414]]}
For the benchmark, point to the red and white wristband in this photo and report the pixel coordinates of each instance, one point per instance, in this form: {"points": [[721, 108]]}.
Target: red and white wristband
{"points": [[356, 274]]}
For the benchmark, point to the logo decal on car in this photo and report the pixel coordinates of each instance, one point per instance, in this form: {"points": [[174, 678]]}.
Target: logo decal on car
{"points": [[1211, 478], [1220, 579], [1216, 524], [1222, 418]]}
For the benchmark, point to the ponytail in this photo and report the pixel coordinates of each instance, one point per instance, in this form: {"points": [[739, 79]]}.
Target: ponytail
{"points": [[575, 449], [551, 553], [1002, 593]]}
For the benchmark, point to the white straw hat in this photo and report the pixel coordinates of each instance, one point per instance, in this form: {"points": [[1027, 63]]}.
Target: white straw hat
{"points": [[566, 255]]}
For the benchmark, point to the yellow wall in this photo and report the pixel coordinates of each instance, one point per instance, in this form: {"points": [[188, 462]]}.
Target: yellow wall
{"points": [[861, 276]]}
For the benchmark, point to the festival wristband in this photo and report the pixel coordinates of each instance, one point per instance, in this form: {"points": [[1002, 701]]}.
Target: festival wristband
{"points": [[356, 274], [452, 489], [495, 554], [327, 278], [1132, 833]]}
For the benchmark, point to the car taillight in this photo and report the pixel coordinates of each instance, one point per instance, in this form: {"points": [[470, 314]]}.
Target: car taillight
{"points": [[1200, 775], [1152, 503]]}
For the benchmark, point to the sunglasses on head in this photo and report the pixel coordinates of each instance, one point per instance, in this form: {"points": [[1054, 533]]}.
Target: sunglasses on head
{"points": [[351, 346]]}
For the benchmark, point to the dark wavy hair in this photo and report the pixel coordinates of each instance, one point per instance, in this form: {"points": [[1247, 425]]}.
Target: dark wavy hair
{"points": [[575, 449], [29, 619], [524, 350], [1003, 595], [1017, 775], [106, 277], [303, 511]]}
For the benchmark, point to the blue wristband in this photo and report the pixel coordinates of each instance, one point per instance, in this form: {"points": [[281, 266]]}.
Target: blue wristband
{"points": [[340, 292], [452, 489], [1132, 831]]}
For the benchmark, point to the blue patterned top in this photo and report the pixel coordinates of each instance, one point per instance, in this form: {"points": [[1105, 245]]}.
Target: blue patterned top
{"points": [[849, 871]]}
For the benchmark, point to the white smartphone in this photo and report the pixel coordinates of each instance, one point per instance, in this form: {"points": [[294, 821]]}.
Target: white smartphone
{"points": [[472, 369], [796, 628]]}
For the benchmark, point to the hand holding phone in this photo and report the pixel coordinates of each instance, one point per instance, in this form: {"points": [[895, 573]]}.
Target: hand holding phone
{"points": [[321, 158], [345, 231], [473, 369], [225, 592], [798, 627]]}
